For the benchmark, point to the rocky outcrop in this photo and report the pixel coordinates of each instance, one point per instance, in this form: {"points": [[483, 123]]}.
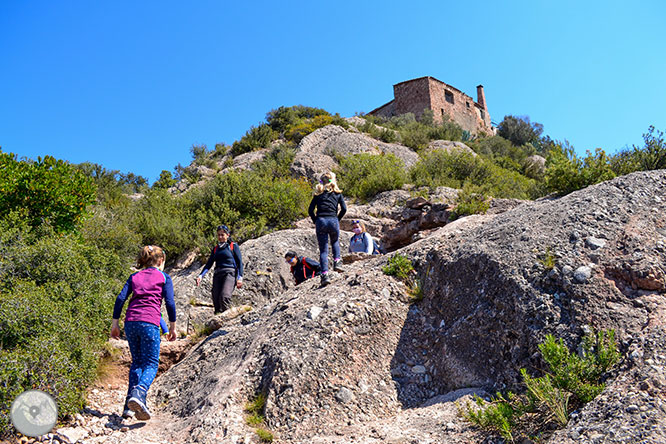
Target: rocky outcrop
{"points": [[316, 152], [359, 362]]}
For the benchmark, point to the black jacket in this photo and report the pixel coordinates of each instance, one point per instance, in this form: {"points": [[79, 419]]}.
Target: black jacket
{"points": [[305, 268], [327, 206]]}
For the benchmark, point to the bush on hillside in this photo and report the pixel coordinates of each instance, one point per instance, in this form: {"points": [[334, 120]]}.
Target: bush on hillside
{"points": [[652, 156], [250, 203], [55, 297], [45, 190], [470, 200], [519, 130], [571, 381], [410, 132], [165, 180], [566, 172], [162, 219], [454, 170], [366, 175], [283, 118], [257, 137]]}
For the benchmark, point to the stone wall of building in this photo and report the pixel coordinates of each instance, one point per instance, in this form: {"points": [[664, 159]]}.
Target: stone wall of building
{"points": [[416, 95], [461, 108], [412, 96]]}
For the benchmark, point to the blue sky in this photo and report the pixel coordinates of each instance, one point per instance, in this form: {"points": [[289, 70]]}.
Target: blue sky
{"points": [[133, 85]]}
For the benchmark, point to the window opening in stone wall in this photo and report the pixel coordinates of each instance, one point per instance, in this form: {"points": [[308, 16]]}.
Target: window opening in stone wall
{"points": [[443, 113], [483, 115], [467, 103], [448, 95]]}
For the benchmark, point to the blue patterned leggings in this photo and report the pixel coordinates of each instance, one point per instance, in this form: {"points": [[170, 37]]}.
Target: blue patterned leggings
{"points": [[144, 344]]}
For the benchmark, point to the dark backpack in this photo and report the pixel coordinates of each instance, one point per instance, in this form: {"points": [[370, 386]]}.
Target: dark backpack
{"points": [[376, 249]]}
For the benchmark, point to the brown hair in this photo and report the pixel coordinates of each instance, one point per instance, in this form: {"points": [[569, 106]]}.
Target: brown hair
{"points": [[327, 182], [150, 256]]}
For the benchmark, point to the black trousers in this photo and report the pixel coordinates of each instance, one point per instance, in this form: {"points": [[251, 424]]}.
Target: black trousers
{"points": [[224, 282]]}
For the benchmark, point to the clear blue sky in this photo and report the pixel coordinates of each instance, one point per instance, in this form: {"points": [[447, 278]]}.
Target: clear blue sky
{"points": [[132, 85]]}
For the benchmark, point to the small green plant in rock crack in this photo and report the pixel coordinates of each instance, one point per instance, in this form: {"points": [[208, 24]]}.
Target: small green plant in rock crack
{"points": [[571, 382], [401, 267], [255, 410], [548, 259], [264, 435]]}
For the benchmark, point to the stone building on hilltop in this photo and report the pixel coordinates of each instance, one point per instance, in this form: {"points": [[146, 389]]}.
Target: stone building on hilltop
{"points": [[416, 95]]}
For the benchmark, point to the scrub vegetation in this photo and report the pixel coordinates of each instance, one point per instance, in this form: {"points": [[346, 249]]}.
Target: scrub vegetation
{"points": [[69, 233]]}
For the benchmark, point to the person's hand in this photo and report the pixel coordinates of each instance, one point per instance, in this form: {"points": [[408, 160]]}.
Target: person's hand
{"points": [[115, 329], [239, 284], [171, 336], [198, 280]]}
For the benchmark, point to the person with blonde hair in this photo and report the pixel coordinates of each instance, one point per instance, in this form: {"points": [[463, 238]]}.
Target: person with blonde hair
{"points": [[149, 287], [326, 200]]}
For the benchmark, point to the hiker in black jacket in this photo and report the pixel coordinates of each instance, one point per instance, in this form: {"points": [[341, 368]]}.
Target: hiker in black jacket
{"points": [[302, 267], [228, 270], [327, 199]]}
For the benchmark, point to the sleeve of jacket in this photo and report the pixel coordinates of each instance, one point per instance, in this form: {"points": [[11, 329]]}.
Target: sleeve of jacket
{"points": [[238, 258], [122, 297], [209, 264], [343, 206], [311, 213], [313, 264], [169, 300]]}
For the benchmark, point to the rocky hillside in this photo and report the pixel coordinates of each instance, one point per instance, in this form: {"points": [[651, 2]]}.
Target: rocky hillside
{"points": [[359, 362]]}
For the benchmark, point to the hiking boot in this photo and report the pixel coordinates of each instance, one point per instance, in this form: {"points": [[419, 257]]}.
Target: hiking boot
{"points": [[337, 266], [137, 403], [127, 412], [325, 280]]}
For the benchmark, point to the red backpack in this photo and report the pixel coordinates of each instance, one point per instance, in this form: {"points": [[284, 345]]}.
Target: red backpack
{"points": [[231, 247]]}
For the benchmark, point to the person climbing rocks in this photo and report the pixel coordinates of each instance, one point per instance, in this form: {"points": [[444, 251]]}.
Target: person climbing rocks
{"points": [[302, 268], [326, 200], [149, 286], [228, 270], [361, 241]]}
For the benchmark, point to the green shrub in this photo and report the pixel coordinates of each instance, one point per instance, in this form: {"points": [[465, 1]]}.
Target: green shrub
{"points": [[571, 382], [365, 175], [441, 168], [565, 172], [45, 190], [470, 201], [399, 266], [55, 294], [277, 163], [257, 137], [162, 219], [264, 435], [652, 156], [297, 132], [165, 180], [519, 130], [250, 203], [283, 118]]}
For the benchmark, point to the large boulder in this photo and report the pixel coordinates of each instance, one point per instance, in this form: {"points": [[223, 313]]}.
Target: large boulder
{"points": [[266, 274], [344, 363], [316, 152]]}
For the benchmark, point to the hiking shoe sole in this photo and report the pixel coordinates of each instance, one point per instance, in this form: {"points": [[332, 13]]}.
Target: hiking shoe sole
{"points": [[140, 410]]}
